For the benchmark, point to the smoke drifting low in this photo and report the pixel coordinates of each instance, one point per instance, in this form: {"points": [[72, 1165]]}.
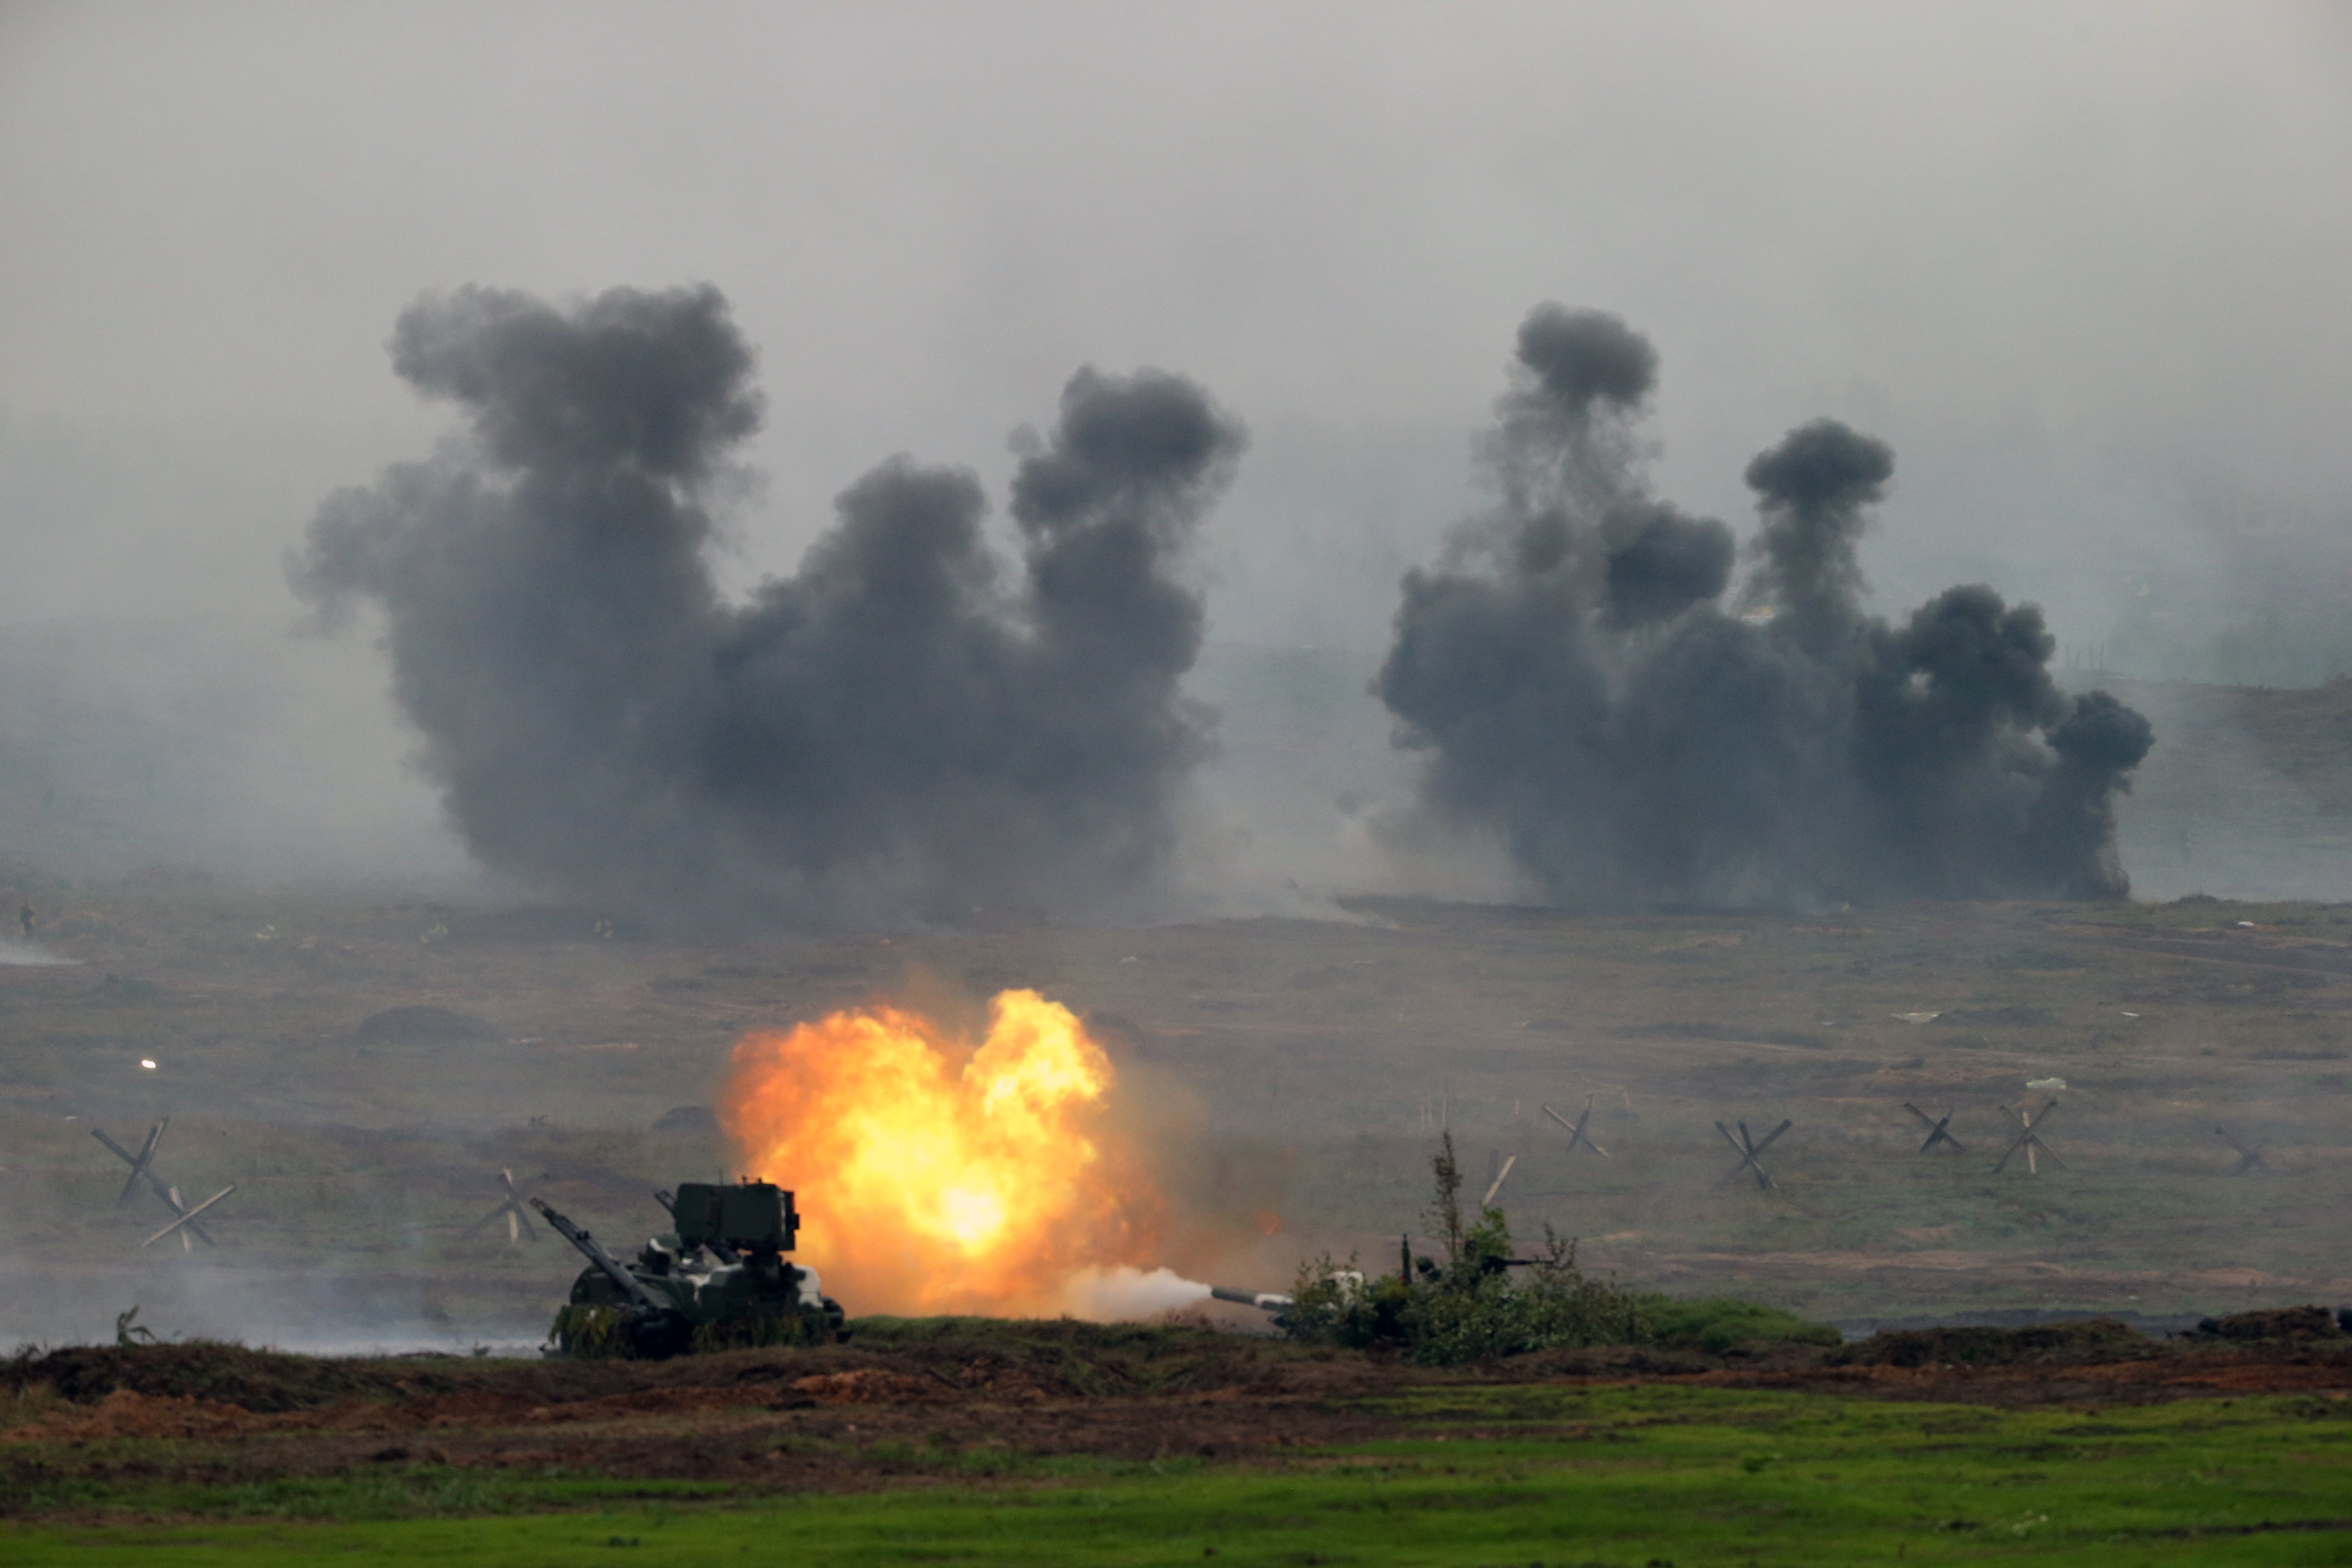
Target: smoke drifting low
{"points": [[1591, 687], [903, 729]]}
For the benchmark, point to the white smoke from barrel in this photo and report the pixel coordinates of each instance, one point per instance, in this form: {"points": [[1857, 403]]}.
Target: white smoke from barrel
{"points": [[26, 955], [1125, 1294]]}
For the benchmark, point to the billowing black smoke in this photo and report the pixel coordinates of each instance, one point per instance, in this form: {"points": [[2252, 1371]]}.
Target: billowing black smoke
{"points": [[905, 729], [1585, 692]]}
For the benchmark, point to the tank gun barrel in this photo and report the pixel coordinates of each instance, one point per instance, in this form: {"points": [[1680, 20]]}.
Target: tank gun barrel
{"points": [[631, 1286], [1265, 1300]]}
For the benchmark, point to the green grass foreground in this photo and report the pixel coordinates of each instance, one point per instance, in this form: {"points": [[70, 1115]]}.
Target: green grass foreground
{"points": [[1488, 1475]]}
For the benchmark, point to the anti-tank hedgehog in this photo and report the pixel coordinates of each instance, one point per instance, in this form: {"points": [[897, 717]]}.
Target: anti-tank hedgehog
{"points": [[715, 1281]]}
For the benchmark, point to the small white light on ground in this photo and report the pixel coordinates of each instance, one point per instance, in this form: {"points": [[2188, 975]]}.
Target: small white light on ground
{"points": [[147, 1062]]}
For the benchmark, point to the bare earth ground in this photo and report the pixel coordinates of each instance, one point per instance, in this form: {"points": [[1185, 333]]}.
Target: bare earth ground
{"points": [[1290, 1073]]}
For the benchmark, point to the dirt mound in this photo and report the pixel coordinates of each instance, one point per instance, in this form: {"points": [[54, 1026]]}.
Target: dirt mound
{"points": [[889, 1360], [230, 1374], [868, 1385], [2091, 1340], [124, 1414], [654, 1402], [2282, 1323], [910, 1401], [425, 1026]]}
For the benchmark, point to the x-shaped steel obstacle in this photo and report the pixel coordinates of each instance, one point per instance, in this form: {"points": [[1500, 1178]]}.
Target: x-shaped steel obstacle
{"points": [[517, 1219], [142, 1169], [1750, 1151], [141, 1164], [1497, 1185], [2249, 1160], [1576, 1136], [2028, 1138], [188, 1217], [1936, 1132]]}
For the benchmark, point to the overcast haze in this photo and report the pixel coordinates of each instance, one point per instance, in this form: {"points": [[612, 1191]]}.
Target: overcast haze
{"points": [[2084, 267]]}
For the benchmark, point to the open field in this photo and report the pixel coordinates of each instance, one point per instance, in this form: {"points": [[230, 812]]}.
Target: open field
{"points": [[989, 1442], [2247, 793], [1294, 1069]]}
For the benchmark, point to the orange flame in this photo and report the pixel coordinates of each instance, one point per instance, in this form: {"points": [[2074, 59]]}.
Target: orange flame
{"points": [[935, 1178]]}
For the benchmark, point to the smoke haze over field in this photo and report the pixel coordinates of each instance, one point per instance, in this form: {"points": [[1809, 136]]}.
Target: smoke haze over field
{"points": [[892, 732], [1585, 693], [668, 576], [2079, 263]]}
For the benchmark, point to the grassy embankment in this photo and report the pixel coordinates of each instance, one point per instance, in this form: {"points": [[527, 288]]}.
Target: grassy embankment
{"points": [[1549, 1474], [978, 1441]]}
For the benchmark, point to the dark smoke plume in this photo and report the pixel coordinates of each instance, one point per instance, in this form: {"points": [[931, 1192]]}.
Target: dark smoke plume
{"points": [[1585, 692], [904, 729]]}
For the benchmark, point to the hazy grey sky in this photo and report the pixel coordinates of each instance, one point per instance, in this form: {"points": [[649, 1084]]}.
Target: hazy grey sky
{"points": [[2084, 264]]}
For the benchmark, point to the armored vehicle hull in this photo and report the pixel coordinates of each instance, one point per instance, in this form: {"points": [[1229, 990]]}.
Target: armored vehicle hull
{"points": [[717, 1280]]}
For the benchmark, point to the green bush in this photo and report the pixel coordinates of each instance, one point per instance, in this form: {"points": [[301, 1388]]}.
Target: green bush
{"points": [[1470, 1308], [590, 1333], [1715, 1323], [1482, 1302]]}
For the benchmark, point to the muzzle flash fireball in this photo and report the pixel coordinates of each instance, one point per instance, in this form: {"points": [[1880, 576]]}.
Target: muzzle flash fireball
{"points": [[950, 1176]]}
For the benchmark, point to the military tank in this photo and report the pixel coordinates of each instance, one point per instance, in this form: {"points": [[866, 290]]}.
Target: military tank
{"points": [[717, 1279]]}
